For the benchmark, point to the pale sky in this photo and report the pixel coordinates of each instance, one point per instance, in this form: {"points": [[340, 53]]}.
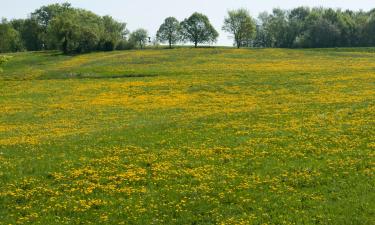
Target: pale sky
{"points": [[149, 14]]}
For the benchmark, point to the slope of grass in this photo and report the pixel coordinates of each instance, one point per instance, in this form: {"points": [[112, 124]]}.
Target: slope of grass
{"points": [[188, 136]]}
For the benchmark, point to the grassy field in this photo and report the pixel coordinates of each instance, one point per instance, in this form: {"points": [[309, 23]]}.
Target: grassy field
{"points": [[188, 136]]}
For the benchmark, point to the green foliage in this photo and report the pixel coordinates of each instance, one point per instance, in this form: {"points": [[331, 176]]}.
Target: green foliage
{"points": [[198, 30], [64, 30], [125, 45], [79, 31], [169, 31], [114, 33], [73, 30], [31, 33], [240, 24], [139, 38], [369, 30], [277, 28], [44, 16], [315, 28], [263, 37], [321, 33], [10, 38]]}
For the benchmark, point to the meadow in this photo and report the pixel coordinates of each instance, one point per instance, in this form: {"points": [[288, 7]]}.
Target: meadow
{"points": [[188, 136]]}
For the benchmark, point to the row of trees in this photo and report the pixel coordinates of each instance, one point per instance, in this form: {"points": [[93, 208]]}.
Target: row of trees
{"points": [[60, 26], [196, 29], [72, 30], [315, 28], [301, 27]]}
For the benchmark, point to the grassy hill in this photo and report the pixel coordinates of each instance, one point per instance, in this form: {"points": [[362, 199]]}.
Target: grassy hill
{"points": [[188, 136]]}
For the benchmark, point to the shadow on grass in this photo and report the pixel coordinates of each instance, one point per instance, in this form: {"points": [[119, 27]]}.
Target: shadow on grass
{"points": [[93, 76], [116, 76]]}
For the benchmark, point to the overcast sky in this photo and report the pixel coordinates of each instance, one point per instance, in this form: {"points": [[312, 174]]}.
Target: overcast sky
{"points": [[150, 14]]}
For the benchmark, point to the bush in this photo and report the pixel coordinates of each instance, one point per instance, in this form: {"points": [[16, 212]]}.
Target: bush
{"points": [[125, 45], [3, 59]]}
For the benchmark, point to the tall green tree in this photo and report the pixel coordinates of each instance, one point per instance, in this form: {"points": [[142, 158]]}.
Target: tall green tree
{"points": [[31, 33], [321, 33], [10, 38], [198, 30], [139, 38], [241, 25], [296, 25], [274, 29], [278, 28], [114, 32], [64, 30], [44, 16], [369, 30], [169, 31], [76, 31], [263, 37]]}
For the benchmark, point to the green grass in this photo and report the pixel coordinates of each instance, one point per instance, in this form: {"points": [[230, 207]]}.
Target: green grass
{"points": [[188, 136]]}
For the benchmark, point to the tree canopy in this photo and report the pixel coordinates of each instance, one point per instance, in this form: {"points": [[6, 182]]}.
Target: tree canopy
{"points": [[241, 25], [198, 30], [139, 37], [60, 26], [315, 28], [169, 31], [78, 31]]}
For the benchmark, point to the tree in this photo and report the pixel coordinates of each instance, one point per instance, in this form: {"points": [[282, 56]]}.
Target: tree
{"points": [[139, 37], [273, 29], [240, 24], [278, 27], [169, 31], [114, 32], [263, 37], [198, 29], [296, 25], [320, 34], [369, 30], [31, 33], [76, 31], [64, 30], [44, 16], [10, 38], [360, 20]]}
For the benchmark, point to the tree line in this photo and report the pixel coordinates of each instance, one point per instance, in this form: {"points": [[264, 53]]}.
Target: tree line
{"points": [[73, 30]]}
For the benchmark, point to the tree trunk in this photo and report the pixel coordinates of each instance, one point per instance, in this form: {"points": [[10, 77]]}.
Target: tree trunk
{"points": [[170, 44], [238, 42], [195, 44], [65, 46]]}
